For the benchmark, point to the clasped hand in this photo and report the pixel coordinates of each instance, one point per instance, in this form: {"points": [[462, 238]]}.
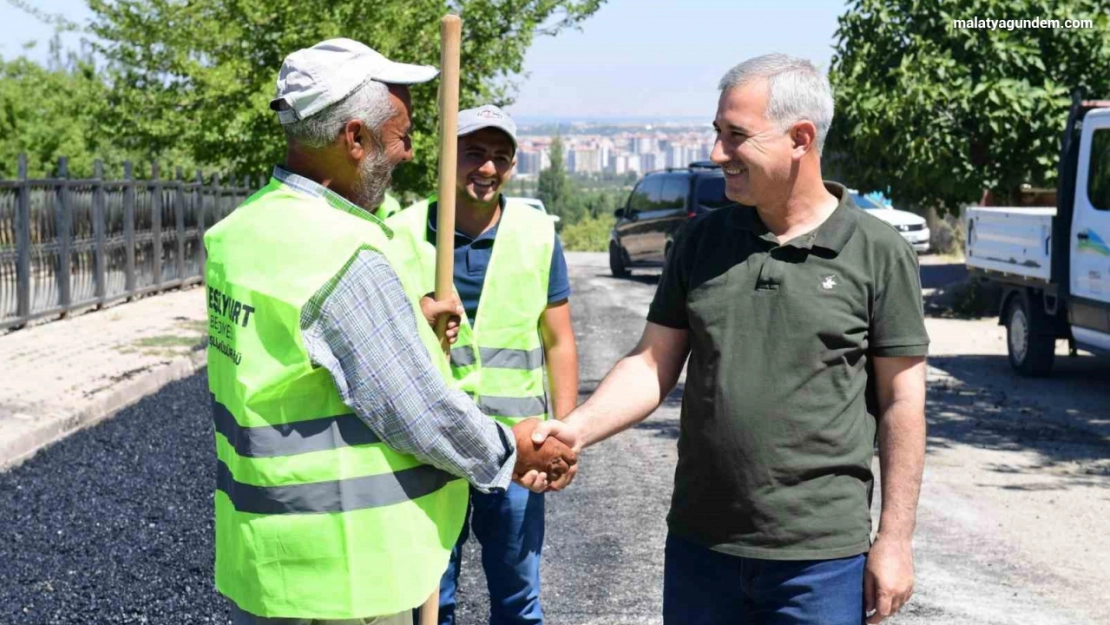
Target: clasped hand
{"points": [[542, 466]]}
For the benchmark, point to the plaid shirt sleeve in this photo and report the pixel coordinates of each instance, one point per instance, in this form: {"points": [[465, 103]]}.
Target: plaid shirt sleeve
{"points": [[362, 329]]}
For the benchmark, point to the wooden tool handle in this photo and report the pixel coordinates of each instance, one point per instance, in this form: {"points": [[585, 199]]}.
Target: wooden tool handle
{"points": [[450, 31]]}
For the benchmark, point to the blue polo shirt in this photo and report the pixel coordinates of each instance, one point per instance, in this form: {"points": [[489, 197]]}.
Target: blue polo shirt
{"points": [[472, 258]]}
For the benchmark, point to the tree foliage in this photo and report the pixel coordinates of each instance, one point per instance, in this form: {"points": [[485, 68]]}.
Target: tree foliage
{"points": [[934, 115], [553, 185], [48, 112], [200, 74], [588, 235]]}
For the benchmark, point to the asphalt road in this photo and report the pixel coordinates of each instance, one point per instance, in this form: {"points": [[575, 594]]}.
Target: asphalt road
{"points": [[114, 524]]}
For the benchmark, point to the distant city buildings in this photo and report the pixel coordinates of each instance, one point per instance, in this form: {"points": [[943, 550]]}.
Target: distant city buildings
{"points": [[532, 161], [585, 160], [641, 144], [588, 151]]}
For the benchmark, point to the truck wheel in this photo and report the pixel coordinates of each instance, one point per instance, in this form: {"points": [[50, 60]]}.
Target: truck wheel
{"points": [[1029, 341], [616, 261]]}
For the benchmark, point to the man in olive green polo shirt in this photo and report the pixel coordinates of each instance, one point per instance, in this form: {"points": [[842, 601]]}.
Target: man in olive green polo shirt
{"points": [[795, 309]]}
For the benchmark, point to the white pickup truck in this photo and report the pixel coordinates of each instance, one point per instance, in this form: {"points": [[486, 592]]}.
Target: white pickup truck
{"points": [[1054, 263]]}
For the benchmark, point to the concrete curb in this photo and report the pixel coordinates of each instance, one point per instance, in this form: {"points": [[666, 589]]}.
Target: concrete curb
{"points": [[47, 430]]}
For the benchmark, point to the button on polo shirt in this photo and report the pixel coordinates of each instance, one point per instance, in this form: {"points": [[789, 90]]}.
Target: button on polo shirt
{"points": [[776, 439]]}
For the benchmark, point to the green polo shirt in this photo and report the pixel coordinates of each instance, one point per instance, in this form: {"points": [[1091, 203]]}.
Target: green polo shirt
{"points": [[776, 439]]}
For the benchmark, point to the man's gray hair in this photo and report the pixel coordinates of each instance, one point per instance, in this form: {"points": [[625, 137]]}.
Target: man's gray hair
{"points": [[369, 104], [798, 91]]}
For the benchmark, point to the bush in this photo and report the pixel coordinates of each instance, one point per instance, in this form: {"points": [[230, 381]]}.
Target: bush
{"points": [[588, 235], [948, 236]]}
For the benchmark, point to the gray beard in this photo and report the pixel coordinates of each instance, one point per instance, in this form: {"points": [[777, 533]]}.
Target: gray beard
{"points": [[374, 176]]}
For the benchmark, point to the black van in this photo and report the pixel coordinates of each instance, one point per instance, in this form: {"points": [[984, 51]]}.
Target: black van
{"points": [[660, 204]]}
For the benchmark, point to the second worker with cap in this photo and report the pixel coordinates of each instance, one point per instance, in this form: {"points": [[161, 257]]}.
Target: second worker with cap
{"points": [[511, 275]]}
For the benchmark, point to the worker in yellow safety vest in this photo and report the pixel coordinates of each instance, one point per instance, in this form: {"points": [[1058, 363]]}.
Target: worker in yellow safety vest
{"points": [[344, 455], [511, 276]]}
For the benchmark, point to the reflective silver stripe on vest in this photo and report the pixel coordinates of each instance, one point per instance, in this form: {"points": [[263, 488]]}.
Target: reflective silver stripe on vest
{"points": [[290, 439], [357, 493], [500, 358], [463, 356], [503, 358], [513, 406]]}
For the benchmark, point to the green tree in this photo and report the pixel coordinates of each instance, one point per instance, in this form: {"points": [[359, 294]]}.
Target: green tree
{"points": [[601, 203], [554, 186], [588, 235], [200, 74], [53, 111], [935, 114]]}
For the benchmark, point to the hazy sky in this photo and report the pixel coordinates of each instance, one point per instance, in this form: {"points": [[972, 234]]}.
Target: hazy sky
{"points": [[633, 58]]}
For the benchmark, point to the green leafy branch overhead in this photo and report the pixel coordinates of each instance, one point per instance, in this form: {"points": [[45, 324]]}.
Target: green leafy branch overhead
{"points": [[198, 75], [935, 115]]}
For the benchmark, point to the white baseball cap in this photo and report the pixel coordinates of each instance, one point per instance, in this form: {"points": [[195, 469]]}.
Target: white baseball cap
{"points": [[312, 79], [487, 116]]}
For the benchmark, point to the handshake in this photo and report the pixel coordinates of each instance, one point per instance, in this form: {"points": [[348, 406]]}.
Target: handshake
{"points": [[545, 461], [545, 466]]}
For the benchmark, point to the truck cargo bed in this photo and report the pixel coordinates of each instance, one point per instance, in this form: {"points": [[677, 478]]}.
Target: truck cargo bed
{"points": [[1013, 241]]}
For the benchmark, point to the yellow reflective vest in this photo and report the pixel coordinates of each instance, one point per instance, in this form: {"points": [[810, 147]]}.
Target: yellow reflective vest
{"points": [[499, 357], [388, 208], [315, 516]]}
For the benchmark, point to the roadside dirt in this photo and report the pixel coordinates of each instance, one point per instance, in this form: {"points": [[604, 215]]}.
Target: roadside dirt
{"points": [[1016, 501]]}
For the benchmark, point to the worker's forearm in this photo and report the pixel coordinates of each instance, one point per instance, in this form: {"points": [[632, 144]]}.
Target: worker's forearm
{"points": [[627, 395], [901, 461], [407, 404], [562, 371]]}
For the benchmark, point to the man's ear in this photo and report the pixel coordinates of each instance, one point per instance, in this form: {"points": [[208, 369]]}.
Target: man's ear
{"points": [[803, 135], [358, 143]]}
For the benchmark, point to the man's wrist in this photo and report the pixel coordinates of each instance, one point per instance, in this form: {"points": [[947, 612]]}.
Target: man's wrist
{"points": [[577, 421], [561, 415], [894, 532]]}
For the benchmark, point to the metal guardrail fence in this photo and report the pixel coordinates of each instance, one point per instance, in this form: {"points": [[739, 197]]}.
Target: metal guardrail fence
{"points": [[68, 243]]}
